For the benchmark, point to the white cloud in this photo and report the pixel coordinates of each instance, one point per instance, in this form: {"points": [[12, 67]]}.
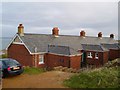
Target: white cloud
{"points": [[60, 0], [42, 30], [69, 17]]}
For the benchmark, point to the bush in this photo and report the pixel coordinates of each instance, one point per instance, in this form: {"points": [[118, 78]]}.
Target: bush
{"points": [[105, 77], [113, 63], [3, 56]]}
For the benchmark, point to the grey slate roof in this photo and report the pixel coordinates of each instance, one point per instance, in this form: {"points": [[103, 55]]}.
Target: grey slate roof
{"points": [[90, 47], [41, 41], [111, 46], [64, 50], [59, 49]]}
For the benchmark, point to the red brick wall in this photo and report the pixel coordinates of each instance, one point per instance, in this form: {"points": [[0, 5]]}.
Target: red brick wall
{"points": [[102, 58], [93, 60], [75, 62], [65, 61], [105, 57], [113, 54], [52, 60], [56, 60], [37, 57], [20, 53]]}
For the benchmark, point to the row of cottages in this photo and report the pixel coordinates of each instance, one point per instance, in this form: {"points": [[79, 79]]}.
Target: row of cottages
{"points": [[51, 50]]}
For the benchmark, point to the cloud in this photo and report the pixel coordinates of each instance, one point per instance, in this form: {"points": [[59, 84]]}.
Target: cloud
{"points": [[40, 17], [42, 30], [0, 20], [61, 1]]}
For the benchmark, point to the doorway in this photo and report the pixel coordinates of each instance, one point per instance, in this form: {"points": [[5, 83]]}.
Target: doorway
{"points": [[83, 60]]}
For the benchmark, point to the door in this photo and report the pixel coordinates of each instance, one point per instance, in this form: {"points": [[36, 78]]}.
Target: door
{"points": [[83, 59]]}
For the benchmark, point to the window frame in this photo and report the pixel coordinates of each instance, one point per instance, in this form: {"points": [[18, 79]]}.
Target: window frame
{"points": [[89, 55], [41, 61], [96, 55]]}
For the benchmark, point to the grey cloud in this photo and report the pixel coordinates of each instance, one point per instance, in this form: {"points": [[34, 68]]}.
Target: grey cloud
{"points": [[69, 17]]}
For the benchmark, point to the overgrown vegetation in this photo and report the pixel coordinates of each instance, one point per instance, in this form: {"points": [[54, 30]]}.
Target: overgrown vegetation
{"points": [[3, 56], [119, 41], [33, 70], [105, 77]]}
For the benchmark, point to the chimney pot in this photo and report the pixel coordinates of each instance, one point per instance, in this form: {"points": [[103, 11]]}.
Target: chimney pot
{"points": [[100, 34], [111, 35], [21, 30], [82, 34], [55, 31]]}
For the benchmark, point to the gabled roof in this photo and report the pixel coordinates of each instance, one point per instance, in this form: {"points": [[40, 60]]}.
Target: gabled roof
{"points": [[74, 43], [111, 46], [63, 50], [41, 41], [59, 49], [91, 47]]}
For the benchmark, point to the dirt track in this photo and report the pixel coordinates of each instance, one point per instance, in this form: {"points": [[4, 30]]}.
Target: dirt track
{"points": [[51, 79]]}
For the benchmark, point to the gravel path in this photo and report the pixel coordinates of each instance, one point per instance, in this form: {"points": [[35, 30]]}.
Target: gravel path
{"points": [[50, 79]]}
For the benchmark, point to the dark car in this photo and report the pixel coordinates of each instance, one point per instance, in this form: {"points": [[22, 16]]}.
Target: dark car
{"points": [[10, 67]]}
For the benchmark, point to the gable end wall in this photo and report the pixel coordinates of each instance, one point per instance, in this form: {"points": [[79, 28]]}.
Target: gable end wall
{"points": [[102, 58], [114, 53], [21, 54]]}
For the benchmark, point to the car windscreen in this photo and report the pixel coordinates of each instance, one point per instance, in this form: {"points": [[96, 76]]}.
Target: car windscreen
{"points": [[11, 62]]}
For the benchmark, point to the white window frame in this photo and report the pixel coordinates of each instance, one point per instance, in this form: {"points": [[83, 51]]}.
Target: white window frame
{"points": [[41, 59], [96, 55], [17, 42], [89, 54], [14, 42]]}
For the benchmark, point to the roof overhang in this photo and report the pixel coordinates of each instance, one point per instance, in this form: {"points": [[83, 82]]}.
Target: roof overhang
{"points": [[39, 53], [66, 55], [16, 35]]}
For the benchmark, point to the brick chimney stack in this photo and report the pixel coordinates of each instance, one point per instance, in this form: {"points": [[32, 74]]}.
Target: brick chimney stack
{"points": [[82, 33], [21, 30], [55, 31], [100, 34], [111, 35]]}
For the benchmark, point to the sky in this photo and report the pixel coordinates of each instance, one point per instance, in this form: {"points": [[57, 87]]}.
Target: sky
{"points": [[69, 17]]}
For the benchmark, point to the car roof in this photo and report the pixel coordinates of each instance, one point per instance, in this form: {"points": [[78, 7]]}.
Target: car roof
{"points": [[6, 59]]}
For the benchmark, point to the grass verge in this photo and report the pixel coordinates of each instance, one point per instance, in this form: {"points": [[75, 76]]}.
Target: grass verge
{"points": [[33, 70], [3, 56]]}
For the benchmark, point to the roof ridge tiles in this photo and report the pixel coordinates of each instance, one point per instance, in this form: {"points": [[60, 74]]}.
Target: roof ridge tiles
{"points": [[63, 35]]}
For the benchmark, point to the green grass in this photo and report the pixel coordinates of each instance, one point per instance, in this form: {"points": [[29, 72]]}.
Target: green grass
{"points": [[119, 41], [99, 78], [33, 70], [3, 56]]}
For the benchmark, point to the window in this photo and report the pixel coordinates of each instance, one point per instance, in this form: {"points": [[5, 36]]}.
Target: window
{"points": [[96, 55], [89, 54], [41, 59], [62, 60], [17, 41]]}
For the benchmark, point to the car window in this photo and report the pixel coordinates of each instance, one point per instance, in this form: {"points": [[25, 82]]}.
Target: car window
{"points": [[11, 62], [16, 62], [4, 64]]}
